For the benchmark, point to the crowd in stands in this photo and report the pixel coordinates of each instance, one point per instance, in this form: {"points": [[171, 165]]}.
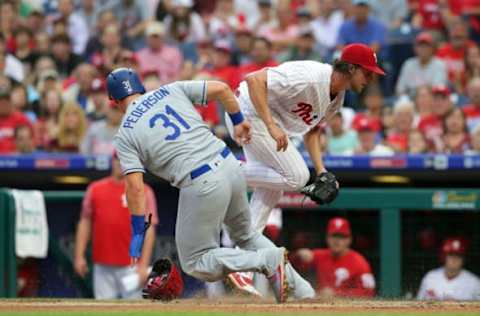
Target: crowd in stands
{"points": [[54, 56]]}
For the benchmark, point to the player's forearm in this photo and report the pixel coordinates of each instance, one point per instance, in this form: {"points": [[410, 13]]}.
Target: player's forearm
{"points": [[135, 193], [312, 144], [221, 92], [257, 89], [82, 237], [148, 246]]}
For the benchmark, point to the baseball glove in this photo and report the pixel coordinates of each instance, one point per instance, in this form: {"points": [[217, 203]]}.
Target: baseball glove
{"points": [[323, 190], [164, 282]]}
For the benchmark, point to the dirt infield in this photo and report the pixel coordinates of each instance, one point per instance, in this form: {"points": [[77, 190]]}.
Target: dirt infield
{"points": [[237, 306]]}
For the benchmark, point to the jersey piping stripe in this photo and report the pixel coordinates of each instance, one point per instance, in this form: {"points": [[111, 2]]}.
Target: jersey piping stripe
{"points": [[127, 171], [203, 93]]}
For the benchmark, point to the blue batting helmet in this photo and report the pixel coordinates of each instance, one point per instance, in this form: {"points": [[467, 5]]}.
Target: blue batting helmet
{"points": [[123, 82]]}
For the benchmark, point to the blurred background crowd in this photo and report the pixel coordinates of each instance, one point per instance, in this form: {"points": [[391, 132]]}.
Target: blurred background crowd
{"points": [[54, 56]]}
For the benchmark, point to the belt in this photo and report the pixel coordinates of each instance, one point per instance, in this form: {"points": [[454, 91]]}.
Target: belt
{"points": [[206, 167]]}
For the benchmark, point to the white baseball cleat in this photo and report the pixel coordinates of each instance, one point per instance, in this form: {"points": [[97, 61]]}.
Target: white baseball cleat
{"points": [[278, 280], [242, 283]]}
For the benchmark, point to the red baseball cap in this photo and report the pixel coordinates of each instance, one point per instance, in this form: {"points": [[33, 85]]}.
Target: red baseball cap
{"points": [[365, 125], [455, 246], [361, 55], [424, 37], [441, 89], [340, 226]]}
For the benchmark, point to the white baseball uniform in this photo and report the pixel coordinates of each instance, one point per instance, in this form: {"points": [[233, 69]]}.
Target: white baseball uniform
{"points": [[436, 286], [299, 99]]}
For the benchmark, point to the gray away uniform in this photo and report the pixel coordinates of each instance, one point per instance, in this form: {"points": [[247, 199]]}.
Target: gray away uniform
{"points": [[162, 132]]}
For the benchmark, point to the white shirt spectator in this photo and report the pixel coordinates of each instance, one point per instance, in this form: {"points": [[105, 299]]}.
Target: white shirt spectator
{"points": [[414, 75], [325, 31], [197, 32], [14, 68], [78, 33], [436, 286]]}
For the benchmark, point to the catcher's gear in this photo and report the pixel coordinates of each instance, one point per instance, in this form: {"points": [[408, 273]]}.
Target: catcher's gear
{"points": [[164, 282], [323, 190]]}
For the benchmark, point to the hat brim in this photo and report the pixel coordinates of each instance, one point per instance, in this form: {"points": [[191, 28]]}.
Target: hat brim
{"points": [[375, 69]]}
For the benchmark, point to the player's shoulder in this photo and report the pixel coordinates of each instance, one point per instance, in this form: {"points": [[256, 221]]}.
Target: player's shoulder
{"points": [[357, 257], [434, 274], [470, 276], [321, 252]]}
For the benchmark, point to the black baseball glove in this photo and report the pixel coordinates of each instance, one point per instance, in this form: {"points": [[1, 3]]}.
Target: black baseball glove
{"points": [[323, 190]]}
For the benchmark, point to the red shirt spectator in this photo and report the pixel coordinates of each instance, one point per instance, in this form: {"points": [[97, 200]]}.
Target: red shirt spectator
{"points": [[105, 204], [402, 124], [373, 114], [166, 60], [9, 121], [340, 270], [222, 69], [209, 113], [453, 52], [431, 12]]}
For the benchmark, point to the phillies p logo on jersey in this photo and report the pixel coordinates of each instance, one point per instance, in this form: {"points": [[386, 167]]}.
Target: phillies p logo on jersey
{"points": [[304, 111]]}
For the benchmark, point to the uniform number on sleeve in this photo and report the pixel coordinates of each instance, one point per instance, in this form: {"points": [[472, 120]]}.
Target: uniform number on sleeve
{"points": [[170, 120]]}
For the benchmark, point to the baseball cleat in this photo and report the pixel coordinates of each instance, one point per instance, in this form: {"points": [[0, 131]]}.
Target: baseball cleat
{"points": [[242, 283], [278, 280]]}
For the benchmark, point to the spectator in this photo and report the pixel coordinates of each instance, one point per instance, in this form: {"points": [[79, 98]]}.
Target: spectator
{"points": [[79, 92], [164, 59], [8, 23], [19, 99], [24, 140], [36, 21], [105, 219], [242, 46], [455, 138], [266, 16], [362, 28], [302, 48], [111, 53], [99, 137], [453, 52], [340, 270], [261, 57], [223, 20], [282, 33], [389, 12], [367, 135], [374, 103], [89, 13], [132, 19], [42, 44], [304, 17], [472, 111], [10, 119], [326, 27], [417, 144], [451, 281], [339, 140], [429, 123], [403, 112], [183, 24], [24, 48], [65, 60], [72, 125], [435, 14], [46, 127], [77, 28], [9, 65], [105, 18], [472, 66], [423, 69], [99, 100], [151, 81], [222, 70]]}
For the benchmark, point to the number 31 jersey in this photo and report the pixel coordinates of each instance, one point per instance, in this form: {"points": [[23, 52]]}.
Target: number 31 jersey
{"points": [[298, 95], [162, 131]]}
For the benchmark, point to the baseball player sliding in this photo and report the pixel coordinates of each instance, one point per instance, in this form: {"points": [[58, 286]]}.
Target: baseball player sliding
{"points": [[292, 99], [161, 131]]}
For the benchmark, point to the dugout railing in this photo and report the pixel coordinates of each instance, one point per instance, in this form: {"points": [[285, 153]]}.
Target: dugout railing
{"points": [[389, 203]]}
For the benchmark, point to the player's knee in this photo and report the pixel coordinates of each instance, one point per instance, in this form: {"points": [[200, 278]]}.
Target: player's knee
{"points": [[299, 179]]}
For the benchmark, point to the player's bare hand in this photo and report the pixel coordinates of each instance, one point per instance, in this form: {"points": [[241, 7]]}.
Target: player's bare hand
{"points": [[279, 136], [142, 271], [81, 266], [243, 133]]}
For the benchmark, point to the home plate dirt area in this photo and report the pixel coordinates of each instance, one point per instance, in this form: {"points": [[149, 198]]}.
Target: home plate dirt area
{"points": [[234, 306]]}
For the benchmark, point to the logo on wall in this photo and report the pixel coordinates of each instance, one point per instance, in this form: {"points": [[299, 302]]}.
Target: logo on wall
{"points": [[454, 200]]}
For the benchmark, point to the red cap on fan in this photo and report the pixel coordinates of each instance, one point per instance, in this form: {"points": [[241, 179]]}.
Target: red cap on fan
{"points": [[340, 226], [361, 55]]}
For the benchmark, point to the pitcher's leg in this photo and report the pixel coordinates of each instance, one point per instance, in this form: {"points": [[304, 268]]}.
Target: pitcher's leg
{"points": [[261, 204]]}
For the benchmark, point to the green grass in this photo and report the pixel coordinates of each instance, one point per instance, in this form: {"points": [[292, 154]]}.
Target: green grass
{"points": [[157, 313]]}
